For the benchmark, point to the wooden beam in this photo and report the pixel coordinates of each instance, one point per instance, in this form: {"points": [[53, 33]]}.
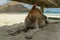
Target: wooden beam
{"points": [[42, 9], [52, 2]]}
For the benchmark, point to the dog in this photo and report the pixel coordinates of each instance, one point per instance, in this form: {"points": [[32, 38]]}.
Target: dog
{"points": [[34, 20]]}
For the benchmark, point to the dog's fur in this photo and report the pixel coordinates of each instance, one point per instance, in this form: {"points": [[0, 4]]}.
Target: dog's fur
{"points": [[35, 15], [35, 19]]}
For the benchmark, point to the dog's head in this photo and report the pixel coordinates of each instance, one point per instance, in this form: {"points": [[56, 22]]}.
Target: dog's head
{"points": [[35, 12], [35, 9]]}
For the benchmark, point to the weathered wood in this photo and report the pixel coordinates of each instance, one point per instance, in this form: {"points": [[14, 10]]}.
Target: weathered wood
{"points": [[39, 2], [42, 8]]}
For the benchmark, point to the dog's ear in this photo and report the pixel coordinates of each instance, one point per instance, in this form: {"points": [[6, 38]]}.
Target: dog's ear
{"points": [[34, 6]]}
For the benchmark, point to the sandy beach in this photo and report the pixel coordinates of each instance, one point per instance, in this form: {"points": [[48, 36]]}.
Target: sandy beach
{"points": [[12, 22], [10, 19], [49, 32]]}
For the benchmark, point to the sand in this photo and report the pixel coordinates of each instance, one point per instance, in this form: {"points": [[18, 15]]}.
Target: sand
{"points": [[49, 32], [13, 18]]}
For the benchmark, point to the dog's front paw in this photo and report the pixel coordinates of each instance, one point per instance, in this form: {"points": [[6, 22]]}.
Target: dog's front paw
{"points": [[28, 37]]}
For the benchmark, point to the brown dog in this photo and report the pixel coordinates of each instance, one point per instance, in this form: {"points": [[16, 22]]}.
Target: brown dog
{"points": [[35, 19]]}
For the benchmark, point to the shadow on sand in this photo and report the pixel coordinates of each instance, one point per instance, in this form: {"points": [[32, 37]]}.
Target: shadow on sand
{"points": [[51, 32]]}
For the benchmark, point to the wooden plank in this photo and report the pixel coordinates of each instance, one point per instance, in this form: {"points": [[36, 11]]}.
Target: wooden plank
{"points": [[40, 2]]}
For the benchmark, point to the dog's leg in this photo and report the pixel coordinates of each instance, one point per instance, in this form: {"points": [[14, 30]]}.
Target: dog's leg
{"points": [[36, 29]]}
